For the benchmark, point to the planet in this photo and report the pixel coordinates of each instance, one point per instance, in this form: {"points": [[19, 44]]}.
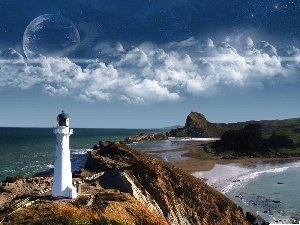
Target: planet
{"points": [[50, 35]]}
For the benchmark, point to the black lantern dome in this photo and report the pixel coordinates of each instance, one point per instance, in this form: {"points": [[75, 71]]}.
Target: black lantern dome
{"points": [[63, 119]]}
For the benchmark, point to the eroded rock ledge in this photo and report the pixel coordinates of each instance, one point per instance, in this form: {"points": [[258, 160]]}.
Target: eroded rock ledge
{"points": [[146, 137]]}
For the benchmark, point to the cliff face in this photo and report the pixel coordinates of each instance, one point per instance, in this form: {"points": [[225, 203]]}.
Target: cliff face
{"points": [[196, 125], [177, 196]]}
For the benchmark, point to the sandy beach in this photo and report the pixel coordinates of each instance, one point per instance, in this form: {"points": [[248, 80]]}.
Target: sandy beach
{"points": [[199, 160]]}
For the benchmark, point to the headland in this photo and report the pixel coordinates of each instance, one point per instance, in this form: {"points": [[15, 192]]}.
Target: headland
{"points": [[123, 187]]}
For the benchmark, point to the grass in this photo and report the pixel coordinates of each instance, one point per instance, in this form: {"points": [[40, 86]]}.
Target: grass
{"points": [[288, 127], [289, 132], [292, 152], [109, 207], [210, 150]]}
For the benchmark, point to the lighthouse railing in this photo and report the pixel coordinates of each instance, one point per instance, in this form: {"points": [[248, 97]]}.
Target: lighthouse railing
{"points": [[63, 130]]}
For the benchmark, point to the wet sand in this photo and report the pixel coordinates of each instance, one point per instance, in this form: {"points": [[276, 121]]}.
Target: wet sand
{"points": [[199, 160]]}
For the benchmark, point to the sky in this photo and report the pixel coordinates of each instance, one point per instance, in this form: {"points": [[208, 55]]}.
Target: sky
{"points": [[148, 63]]}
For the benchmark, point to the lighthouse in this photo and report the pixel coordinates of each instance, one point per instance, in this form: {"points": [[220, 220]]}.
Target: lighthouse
{"points": [[62, 177]]}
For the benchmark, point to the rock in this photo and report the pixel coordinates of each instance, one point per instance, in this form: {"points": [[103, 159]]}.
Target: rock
{"points": [[179, 197], [80, 173], [275, 201], [250, 217], [115, 179], [196, 125], [12, 179], [146, 137], [255, 219], [106, 158], [95, 147]]}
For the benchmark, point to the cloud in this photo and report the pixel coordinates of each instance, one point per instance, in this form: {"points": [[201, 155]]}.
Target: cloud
{"points": [[246, 42], [149, 91], [58, 90], [153, 73], [107, 49]]}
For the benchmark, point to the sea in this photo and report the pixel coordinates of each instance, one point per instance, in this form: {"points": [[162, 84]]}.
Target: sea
{"points": [[31, 151], [270, 190]]}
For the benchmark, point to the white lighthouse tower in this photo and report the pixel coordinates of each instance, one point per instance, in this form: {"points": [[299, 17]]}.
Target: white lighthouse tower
{"points": [[62, 178]]}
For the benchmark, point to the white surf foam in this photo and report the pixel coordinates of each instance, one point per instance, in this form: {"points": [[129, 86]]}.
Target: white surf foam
{"points": [[221, 173], [248, 177], [50, 166], [79, 151], [230, 176], [192, 139]]}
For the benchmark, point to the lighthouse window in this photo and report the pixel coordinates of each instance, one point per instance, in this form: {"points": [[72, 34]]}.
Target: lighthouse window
{"points": [[62, 122]]}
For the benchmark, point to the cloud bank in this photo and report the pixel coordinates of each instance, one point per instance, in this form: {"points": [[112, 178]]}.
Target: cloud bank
{"points": [[150, 73]]}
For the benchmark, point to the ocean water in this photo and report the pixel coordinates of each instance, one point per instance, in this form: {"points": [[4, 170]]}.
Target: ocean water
{"points": [[268, 190], [165, 150], [28, 151], [171, 150]]}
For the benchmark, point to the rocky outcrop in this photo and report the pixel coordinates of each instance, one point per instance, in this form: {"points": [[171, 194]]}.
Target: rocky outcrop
{"points": [[196, 125], [146, 137], [168, 191]]}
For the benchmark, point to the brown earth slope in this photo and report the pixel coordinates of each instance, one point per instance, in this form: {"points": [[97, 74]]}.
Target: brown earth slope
{"points": [[176, 195]]}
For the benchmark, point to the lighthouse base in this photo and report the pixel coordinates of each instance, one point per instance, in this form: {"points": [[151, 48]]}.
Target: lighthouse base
{"points": [[69, 192]]}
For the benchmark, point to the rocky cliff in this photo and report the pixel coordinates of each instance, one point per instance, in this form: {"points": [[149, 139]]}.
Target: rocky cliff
{"points": [[196, 125], [167, 191]]}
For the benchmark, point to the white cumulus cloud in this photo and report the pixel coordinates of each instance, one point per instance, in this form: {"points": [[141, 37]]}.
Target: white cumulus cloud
{"points": [[152, 73]]}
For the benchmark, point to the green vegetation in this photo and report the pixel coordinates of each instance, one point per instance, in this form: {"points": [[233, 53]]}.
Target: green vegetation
{"points": [[252, 140], [197, 126]]}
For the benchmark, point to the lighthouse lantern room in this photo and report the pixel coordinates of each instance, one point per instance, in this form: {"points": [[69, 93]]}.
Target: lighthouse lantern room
{"points": [[62, 177]]}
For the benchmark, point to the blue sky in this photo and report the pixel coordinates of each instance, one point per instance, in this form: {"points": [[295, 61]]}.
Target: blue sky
{"points": [[147, 64]]}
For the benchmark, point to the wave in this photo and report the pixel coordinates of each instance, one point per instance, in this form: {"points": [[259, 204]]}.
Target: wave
{"points": [[79, 151], [50, 166], [8, 171], [192, 139], [278, 217], [242, 180], [266, 190], [78, 158]]}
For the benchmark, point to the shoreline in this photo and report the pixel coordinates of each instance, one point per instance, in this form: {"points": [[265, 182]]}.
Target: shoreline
{"points": [[201, 161], [229, 175]]}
